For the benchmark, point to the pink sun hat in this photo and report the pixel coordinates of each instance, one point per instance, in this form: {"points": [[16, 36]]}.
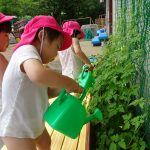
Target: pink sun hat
{"points": [[70, 26], [4, 18], [35, 24]]}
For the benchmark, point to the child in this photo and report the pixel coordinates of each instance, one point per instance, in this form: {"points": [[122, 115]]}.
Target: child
{"points": [[73, 59], [5, 29], [26, 81]]}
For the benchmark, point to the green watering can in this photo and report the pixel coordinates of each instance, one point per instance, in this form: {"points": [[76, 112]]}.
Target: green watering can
{"points": [[67, 114], [85, 80]]}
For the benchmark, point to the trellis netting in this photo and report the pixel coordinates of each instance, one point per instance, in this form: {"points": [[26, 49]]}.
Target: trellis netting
{"points": [[135, 15]]}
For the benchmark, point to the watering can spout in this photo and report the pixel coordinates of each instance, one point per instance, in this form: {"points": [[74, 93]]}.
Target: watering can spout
{"points": [[96, 115]]}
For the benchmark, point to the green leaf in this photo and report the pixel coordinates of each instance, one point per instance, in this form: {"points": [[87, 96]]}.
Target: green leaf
{"points": [[142, 147], [138, 102], [126, 126], [112, 146], [134, 146], [122, 144], [121, 108], [127, 117], [115, 138]]}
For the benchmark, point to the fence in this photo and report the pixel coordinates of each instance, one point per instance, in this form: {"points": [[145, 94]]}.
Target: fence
{"points": [[137, 14]]}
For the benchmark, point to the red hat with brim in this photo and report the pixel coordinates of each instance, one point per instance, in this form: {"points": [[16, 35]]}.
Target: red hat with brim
{"points": [[38, 22], [4, 18]]}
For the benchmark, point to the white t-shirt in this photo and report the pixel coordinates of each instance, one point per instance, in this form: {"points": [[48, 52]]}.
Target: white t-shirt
{"points": [[71, 64], [23, 102]]}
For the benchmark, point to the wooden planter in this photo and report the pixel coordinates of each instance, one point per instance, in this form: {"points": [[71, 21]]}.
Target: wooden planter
{"points": [[62, 142]]}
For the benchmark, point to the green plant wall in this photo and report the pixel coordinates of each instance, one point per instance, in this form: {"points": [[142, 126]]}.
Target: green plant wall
{"points": [[121, 89]]}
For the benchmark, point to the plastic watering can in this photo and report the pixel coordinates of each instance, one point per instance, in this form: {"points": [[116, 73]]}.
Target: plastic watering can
{"points": [[93, 59], [67, 114], [86, 78]]}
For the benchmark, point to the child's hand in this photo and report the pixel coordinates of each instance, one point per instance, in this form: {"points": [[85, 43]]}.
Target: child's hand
{"points": [[76, 88], [89, 67], [79, 89]]}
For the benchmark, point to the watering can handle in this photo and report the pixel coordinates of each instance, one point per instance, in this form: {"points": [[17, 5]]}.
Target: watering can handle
{"points": [[85, 68], [61, 95], [83, 95]]}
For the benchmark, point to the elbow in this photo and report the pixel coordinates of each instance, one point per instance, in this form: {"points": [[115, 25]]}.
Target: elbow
{"points": [[36, 80]]}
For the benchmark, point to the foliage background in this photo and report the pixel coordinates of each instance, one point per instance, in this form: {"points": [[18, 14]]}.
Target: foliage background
{"points": [[60, 9], [122, 86]]}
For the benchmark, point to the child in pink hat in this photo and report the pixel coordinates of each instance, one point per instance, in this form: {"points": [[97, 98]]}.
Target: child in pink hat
{"points": [[27, 85], [73, 58], [5, 29]]}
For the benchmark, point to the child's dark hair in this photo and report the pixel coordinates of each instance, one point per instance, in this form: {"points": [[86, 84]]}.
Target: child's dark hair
{"points": [[52, 34], [5, 27], [75, 33]]}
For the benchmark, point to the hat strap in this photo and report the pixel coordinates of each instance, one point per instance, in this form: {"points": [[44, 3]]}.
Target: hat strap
{"points": [[41, 47]]}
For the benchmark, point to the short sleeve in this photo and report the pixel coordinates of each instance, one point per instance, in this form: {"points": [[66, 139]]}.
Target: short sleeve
{"points": [[24, 53]]}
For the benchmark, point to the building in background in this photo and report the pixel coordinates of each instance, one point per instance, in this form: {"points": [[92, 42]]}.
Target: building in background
{"points": [[109, 15]]}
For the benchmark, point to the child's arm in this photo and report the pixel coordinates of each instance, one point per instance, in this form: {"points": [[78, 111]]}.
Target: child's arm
{"points": [[41, 75], [77, 49], [3, 65]]}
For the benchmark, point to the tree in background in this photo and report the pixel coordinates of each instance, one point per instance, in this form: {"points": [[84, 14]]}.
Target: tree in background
{"points": [[10, 7], [60, 9]]}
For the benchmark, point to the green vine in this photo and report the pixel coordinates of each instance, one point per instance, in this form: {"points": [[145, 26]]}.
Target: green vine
{"points": [[116, 92]]}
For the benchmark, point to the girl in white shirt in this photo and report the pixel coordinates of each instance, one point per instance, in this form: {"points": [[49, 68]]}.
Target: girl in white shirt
{"points": [[73, 59], [25, 85]]}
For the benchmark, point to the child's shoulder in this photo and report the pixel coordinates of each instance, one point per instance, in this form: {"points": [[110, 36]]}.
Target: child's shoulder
{"points": [[25, 50], [26, 47]]}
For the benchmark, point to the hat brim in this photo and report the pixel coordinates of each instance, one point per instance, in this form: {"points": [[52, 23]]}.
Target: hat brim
{"points": [[30, 37], [6, 18]]}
